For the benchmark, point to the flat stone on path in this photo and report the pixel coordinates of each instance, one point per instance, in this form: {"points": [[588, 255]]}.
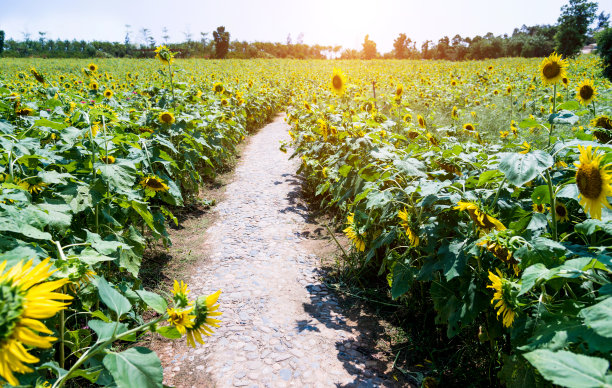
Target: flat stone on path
{"points": [[280, 326]]}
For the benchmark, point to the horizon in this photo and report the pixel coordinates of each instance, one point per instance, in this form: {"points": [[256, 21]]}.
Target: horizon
{"points": [[249, 25]]}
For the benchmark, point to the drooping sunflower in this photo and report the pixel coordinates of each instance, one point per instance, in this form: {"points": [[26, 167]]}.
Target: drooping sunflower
{"points": [[108, 159], [454, 114], [27, 297], [166, 118], [561, 212], [505, 295], [432, 139], [164, 54], [603, 129], [594, 181], [153, 183], [352, 234], [585, 92], [39, 77], [338, 82], [480, 218], [421, 121], [205, 308], [469, 127], [24, 112], [552, 69], [413, 237]]}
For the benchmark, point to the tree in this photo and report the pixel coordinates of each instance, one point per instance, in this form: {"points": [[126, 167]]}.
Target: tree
{"points": [[369, 48], [1, 41], [425, 49], [604, 49], [573, 26], [165, 35], [222, 40], [401, 46], [603, 21]]}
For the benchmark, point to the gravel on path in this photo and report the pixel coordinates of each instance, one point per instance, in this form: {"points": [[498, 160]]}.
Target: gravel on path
{"points": [[280, 326]]}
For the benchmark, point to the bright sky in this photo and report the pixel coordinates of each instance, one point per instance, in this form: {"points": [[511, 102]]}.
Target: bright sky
{"points": [[327, 22]]}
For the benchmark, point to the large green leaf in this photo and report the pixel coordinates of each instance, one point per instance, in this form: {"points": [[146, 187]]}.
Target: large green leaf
{"points": [[403, 276], [111, 297], [569, 369], [136, 367], [521, 168], [106, 330], [153, 300], [120, 175], [410, 167], [599, 317]]}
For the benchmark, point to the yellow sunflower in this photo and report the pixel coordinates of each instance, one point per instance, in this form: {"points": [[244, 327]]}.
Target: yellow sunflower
{"points": [[421, 121], [539, 208], [218, 87], [352, 234], [454, 114], [164, 54], [526, 148], [108, 159], [552, 69], [153, 183], [206, 307], [480, 218], [39, 77], [94, 85], [108, 93], [469, 127], [399, 90], [561, 212], [26, 299], [92, 67], [585, 92], [407, 118], [24, 112], [414, 239], [180, 292], [593, 181], [181, 319], [505, 297], [166, 118], [338, 82]]}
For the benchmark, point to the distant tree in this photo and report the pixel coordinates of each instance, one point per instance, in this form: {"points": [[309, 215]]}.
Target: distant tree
{"points": [[401, 46], [222, 40], [288, 39], [165, 35], [573, 26], [127, 34], [604, 49], [603, 21], [144, 32], [369, 48], [300, 38], [425, 49], [1, 41], [350, 54]]}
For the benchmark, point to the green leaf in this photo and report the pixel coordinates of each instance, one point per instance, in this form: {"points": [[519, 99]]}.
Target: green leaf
{"points": [[111, 297], [569, 369], [153, 300], [135, 367], [403, 276], [91, 256], [532, 275], [378, 199], [569, 105], [106, 330], [344, 170], [591, 226], [410, 167], [528, 123], [20, 225], [147, 217], [487, 176], [169, 332], [119, 175], [599, 317], [540, 195], [563, 117], [521, 168]]}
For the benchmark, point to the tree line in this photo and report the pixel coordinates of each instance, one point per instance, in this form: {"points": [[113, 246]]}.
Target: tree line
{"points": [[567, 37]]}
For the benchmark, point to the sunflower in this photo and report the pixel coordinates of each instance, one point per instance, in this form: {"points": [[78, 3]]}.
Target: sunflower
{"points": [[481, 219], [602, 122], [432, 139], [39, 77], [561, 212], [107, 159], [93, 85], [407, 118], [352, 234], [539, 208], [399, 90], [181, 319], [166, 118], [585, 92], [307, 106], [218, 87], [593, 181], [26, 299], [24, 112], [414, 239], [153, 183], [526, 148], [504, 134], [498, 248], [92, 67], [205, 308], [565, 82], [224, 102], [421, 121], [164, 54], [338, 82], [454, 114], [108, 93], [180, 292], [552, 69], [505, 295], [469, 127]]}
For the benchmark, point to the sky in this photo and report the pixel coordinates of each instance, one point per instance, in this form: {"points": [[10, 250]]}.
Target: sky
{"points": [[325, 22]]}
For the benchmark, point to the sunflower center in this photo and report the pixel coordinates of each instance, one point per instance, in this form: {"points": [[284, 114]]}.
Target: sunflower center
{"points": [[154, 183], [11, 308], [586, 92], [589, 181], [551, 70], [561, 211], [337, 82], [166, 117]]}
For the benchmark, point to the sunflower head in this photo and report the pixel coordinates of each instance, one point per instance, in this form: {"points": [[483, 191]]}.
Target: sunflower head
{"points": [[206, 308], [594, 181], [407, 118], [38, 76], [338, 82], [469, 127], [421, 121], [108, 159], [181, 318], [92, 67], [480, 218], [454, 114], [602, 122], [166, 118], [585, 92], [108, 93], [505, 297], [552, 69], [154, 184], [224, 102], [93, 85], [164, 55], [218, 88], [561, 212], [180, 292]]}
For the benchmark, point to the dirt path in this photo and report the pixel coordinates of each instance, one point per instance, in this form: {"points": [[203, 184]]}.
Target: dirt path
{"points": [[281, 327]]}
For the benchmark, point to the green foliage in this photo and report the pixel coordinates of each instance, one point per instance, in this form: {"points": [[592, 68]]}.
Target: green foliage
{"points": [[1, 41], [604, 50], [222, 40], [574, 23]]}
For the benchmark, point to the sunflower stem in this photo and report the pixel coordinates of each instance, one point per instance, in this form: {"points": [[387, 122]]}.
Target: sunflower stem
{"points": [[62, 329], [593, 104], [553, 210], [337, 243], [554, 110], [171, 84]]}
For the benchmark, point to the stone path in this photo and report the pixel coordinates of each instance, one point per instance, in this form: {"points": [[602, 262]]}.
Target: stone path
{"points": [[281, 327]]}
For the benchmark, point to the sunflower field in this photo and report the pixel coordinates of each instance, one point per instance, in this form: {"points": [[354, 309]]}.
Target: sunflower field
{"points": [[94, 159], [479, 193]]}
